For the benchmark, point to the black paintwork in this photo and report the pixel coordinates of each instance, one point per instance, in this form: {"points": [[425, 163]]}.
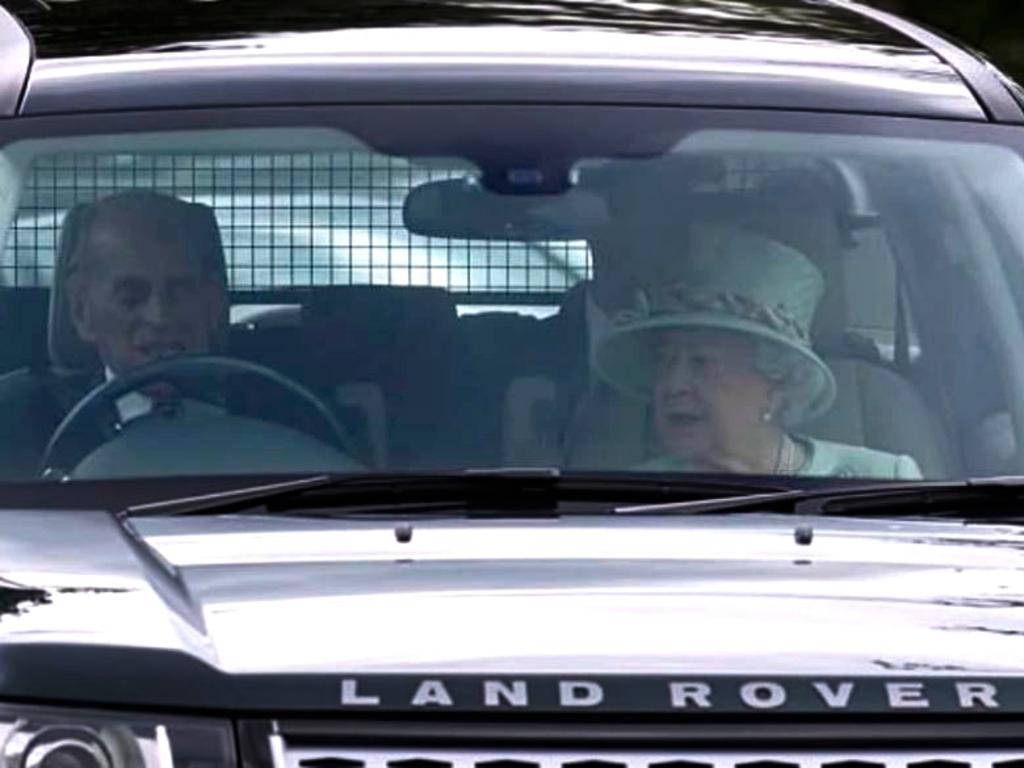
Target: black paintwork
{"points": [[184, 31], [995, 91], [224, 52], [99, 27], [168, 613], [15, 62], [201, 82], [151, 679], [15, 600], [769, 54]]}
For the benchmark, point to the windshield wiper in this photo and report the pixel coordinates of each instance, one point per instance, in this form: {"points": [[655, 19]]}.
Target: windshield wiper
{"points": [[546, 492], [489, 492], [996, 498]]}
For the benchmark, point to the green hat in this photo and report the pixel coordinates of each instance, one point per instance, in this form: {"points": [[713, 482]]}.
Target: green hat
{"points": [[741, 282]]}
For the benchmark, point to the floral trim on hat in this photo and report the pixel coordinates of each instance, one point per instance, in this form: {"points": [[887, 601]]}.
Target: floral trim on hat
{"points": [[676, 299]]}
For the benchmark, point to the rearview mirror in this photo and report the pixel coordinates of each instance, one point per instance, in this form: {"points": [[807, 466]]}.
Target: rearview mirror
{"points": [[462, 209]]}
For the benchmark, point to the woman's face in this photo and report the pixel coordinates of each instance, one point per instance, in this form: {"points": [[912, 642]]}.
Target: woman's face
{"points": [[709, 398]]}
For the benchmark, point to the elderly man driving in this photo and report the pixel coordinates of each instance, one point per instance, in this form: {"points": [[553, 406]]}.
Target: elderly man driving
{"points": [[139, 276]]}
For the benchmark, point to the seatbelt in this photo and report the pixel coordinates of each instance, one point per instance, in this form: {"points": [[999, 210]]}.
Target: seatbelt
{"points": [[901, 351]]}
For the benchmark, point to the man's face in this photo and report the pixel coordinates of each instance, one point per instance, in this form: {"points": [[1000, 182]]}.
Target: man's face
{"points": [[144, 298]]}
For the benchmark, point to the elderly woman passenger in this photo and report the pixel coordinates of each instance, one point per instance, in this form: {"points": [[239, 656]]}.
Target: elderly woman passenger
{"points": [[725, 356]]}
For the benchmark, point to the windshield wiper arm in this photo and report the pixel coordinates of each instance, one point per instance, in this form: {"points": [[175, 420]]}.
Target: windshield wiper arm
{"points": [[487, 492], [980, 498], [527, 490], [239, 498]]}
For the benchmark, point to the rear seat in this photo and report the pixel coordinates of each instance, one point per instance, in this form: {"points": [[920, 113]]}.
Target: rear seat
{"points": [[502, 351], [390, 355]]}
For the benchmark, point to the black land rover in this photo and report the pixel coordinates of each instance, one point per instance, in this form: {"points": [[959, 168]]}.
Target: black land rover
{"points": [[505, 384]]}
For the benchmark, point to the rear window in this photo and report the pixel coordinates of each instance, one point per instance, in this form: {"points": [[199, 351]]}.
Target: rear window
{"points": [[293, 220]]}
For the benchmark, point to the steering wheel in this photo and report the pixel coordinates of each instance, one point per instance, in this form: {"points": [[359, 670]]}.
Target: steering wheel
{"points": [[183, 372]]}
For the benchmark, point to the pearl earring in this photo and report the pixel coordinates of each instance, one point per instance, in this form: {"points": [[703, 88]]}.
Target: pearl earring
{"points": [[767, 416]]}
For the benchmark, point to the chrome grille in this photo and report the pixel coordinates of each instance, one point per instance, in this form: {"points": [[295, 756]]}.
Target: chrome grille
{"points": [[289, 756]]}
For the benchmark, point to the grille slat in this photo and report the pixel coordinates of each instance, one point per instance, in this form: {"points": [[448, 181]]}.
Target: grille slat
{"points": [[338, 757]]}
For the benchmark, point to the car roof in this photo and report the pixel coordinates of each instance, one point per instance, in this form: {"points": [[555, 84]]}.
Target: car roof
{"points": [[98, 27], [795, 54]]}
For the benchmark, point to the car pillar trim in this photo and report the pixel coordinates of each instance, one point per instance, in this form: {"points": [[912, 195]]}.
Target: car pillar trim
{"points": [[16, 54], [992, 94]]}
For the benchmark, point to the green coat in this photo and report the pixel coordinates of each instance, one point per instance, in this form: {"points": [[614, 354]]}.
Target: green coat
{"points": [[827, 459]]}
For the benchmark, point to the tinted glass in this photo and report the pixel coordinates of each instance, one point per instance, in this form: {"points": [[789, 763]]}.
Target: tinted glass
{"points": [[674, 292]]}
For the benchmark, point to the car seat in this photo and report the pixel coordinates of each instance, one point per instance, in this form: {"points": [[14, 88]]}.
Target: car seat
{"points": [[394, 351], [876, 406]]}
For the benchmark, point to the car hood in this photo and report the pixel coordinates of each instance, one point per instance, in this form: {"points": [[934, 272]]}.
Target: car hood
{"points": [[692, 595]]}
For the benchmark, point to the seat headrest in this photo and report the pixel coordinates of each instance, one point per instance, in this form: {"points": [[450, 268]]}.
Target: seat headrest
{"points": [[376, 332], [801, 208], [355, 305], [806, 209], [193, 221]]}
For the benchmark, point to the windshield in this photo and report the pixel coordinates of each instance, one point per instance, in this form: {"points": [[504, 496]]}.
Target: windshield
{"points": [[364, 291]]}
